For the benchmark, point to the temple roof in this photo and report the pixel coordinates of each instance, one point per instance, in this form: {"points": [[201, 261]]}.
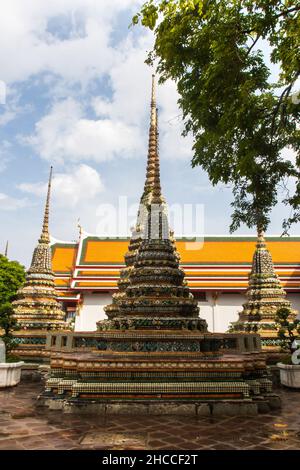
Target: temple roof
{"points": [[219, 262]]}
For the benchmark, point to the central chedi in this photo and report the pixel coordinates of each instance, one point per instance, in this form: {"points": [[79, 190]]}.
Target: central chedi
{"points": [[154, 354], [153, 293]]}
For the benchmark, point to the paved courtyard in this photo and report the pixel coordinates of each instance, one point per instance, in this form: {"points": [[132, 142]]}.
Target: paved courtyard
{"points": [[24, 426]]}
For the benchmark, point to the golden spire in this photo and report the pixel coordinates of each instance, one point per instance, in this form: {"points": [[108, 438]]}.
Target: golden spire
{"points": [[45, 238], [36, 307], [153, 144], [153, 102], [156, 192]]}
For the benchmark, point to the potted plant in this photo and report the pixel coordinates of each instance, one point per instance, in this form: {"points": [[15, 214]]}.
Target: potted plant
{"points": [[10, 367], [7, 325], [289, 334]]}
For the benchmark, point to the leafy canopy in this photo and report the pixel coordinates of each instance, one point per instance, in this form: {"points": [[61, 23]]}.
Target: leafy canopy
{"points": [[288, 330], [12, 277], [241, 121], [7, 324]]}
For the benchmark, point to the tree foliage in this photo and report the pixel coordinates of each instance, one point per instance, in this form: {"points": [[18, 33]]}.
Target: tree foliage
{"points": [[240, 120], [287, 331], [12, 277], [7, 324]]}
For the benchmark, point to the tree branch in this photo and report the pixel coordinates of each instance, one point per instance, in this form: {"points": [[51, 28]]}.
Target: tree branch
{"points": [[284, 95], [253, 44], [287, 12]]}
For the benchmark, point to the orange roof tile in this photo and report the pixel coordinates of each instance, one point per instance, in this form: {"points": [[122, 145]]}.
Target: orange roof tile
{"points": [[220, 262], [63, 257]]}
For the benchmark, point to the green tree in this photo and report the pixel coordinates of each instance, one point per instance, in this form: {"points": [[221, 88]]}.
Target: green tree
{"points": [[288, 330], [240, 120], [7, 325], [12, 277]]}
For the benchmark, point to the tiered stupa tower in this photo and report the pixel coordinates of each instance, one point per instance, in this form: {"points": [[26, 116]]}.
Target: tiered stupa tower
{"points": [[36, 308], [138, 230], [152, 275], [265, 296], [153, 353]]}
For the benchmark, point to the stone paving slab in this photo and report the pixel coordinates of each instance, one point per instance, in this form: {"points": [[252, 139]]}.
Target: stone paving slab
{"points": [[25, 426]]}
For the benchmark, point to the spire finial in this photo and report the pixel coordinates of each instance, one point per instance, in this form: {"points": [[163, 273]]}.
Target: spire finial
{"points": [[157, 196], [45, 238], [79, 227], [153, 145], [6, 249], [153, 102]]}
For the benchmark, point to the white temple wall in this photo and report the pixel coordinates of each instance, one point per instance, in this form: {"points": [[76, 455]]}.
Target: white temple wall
{"points": [[295, 300], [91, 311], [218, 311]]}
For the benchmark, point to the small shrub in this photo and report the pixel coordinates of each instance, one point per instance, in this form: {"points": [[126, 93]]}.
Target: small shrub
{"points": [[288, 330]]}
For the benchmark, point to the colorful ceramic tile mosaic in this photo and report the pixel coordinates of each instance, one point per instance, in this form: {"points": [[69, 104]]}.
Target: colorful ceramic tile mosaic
{"points": [[265, 296], [36, 308], [154, 348]]}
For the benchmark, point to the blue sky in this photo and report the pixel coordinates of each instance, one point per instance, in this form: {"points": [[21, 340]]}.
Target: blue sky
{"points": [[78, 98]]}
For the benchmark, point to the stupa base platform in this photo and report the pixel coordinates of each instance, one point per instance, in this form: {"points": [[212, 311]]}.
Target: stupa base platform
{"points": [[271, 345], [31, 345], [164, 407], [199, 383]]}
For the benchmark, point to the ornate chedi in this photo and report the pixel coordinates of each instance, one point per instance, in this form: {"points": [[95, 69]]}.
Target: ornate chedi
{"points": [[137, 231], [265, 296], [36, 308], [153, 353], [167, 281]]}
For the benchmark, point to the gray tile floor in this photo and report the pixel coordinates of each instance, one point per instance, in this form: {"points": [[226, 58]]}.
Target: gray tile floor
{"points": [[25, 426]]}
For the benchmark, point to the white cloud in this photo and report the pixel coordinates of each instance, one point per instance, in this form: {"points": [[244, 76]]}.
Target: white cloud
{"points": [[289, 154], [131, 84], [11, 107], [8, 115], [80, 185], [8, 203], [67, 66], [66, 135], [102, 106], [4, 154], [3, 163], [85, 52], [173, 145]]}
